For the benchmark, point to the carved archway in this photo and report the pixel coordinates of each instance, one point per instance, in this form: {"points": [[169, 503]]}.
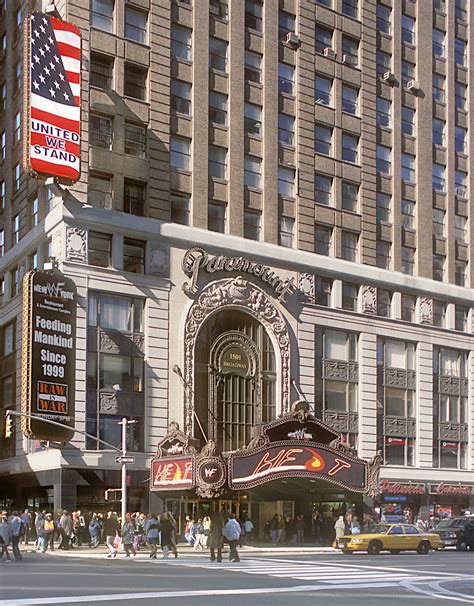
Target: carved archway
{"points": [[241, 294]]}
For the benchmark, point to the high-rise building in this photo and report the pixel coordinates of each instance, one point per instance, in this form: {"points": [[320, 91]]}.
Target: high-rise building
{"points": [[323, 145]]}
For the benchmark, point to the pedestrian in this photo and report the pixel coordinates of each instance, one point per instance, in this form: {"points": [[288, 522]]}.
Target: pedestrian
{"points": [[340, 527], [300, 530], [66, 530], [49, 532], [187, 531], [80, 528], [168, 535], [127, 532], [94, 531], [206, 523], [111, 531], [16, 532], [355, 525], [39, 526], [5, 537], [232, 532], [290, 528], [216, 538], [197, 531], [277, 528], [152, 529], [27, 520], [248, 528]]}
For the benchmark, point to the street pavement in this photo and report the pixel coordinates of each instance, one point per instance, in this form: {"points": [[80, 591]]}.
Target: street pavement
{"points": [[262, 578]]}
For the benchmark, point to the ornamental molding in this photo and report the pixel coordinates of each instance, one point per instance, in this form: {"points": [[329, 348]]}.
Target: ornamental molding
{"points": [[400, 427], [369, 299], [452, 386], [342, 422], [426, 310], [399, 378], [76, 244], [241, 294], [306, 285], [158, 258], [339, 370]]}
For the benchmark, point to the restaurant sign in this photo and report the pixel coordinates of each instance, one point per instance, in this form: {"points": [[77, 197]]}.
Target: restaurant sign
{"points": [[172, 473], [451, 489], [402, 488]]}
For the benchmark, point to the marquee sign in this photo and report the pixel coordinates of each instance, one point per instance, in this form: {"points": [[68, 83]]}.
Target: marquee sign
{"points": [[172, 473], [51, 98], [451, 489], [291, 460], [48, 354], [402, 488]]}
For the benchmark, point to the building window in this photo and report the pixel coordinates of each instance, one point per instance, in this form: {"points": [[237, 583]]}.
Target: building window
{"points": [[181, 97], [408, 214], [408, 72], [384, 17], [286, 79], [408, 260], [286, 130], [323, 140], [439, 314], [135, 140], [3, 97], [18, 78], [2, 242], [408, 30], [384, 63], [460, 275], [135, 25], [323, 237], [100, 191], [286, 24], [383, 254], [461, 140], [350, 295], [384, 303], [134, 256], [460, 182], [253, 15], [16, 177], [253, 67], [216, 217], [339, 345], [438, 131], [218, 162], [460, 52], [253, 172], [438, 267], [439, 87], [100, 131], [349, 8], [286, 182], [340, 396], [460, 228], [3, 144], [253, 119], [180, 207], [408, 121], [384, 160], [180, 154], [408, 308], [102, 15], [350, 196], [439, 177], [16, 229], [460, 318], [34, 209], [440, 6], [439, 223], [350, 242], [323, 39], [101, 71], [439, 42], [323, 190], [323, 290], [219, 8], [322, 90], [383, 207], [408, 168], [460, 95], [350, 148], [350, 99], [252, 224], [2, 194], [460, 9], [134, 197], [286, 227], [384, 111], [218, 108], [181, 45], [99, 249], [17, 128], [135, 81], [350, 49], [218, 54]]}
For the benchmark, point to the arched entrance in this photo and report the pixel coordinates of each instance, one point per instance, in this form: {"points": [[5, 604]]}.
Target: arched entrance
{"points": [[224, 298]]}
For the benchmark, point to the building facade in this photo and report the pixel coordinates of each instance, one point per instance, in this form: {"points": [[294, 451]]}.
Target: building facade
{"points": [[296, 180]]}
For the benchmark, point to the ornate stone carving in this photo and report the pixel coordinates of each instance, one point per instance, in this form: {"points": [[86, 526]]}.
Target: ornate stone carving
{"points": [[306, 284], [374, 475], [158, 258], [335, 369], [211, 472], [139, 342], [107, 344], [398, 377], [411, 379], [240, 293], [338, 421], [464, 387], [426, 310], [449, 385], [397, 426], [463, 432], [451, 431], [175, 442], [353, 372], [369, 299], [411, 427], [76, 244], [108, 403], [353, 422]]}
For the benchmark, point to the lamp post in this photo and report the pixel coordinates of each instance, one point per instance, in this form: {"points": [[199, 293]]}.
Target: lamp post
{"points": [[124, 423]]}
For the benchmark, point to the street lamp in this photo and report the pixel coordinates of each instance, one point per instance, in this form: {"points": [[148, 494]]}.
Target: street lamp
{"points": [[124, 460]]}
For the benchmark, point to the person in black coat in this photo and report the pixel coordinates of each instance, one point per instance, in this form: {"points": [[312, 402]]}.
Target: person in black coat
{"points": [[216, 536], [168, 529]]}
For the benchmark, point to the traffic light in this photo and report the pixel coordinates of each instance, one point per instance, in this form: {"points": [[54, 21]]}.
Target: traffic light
{"points": [[8, 427]]}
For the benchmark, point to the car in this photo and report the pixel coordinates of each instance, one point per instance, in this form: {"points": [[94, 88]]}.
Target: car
{"points": [[389, 537], [456, 532]]}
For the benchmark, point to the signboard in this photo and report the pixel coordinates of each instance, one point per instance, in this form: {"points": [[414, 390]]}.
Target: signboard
{"points": [[451, 489], [450, 445], [172, 473], [234, 359], [402, 488], [395, 441], [52, 91], [291, 460], [48, 355]]}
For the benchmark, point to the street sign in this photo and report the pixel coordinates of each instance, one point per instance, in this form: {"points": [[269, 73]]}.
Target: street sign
{"points": [[125, 459]]}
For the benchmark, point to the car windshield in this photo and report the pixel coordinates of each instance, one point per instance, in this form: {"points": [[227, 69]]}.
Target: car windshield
{"points": [[446, 524], [380, 529]]}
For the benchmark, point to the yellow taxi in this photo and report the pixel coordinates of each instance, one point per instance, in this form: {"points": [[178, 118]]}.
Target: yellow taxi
{"points": [[389, 537]]}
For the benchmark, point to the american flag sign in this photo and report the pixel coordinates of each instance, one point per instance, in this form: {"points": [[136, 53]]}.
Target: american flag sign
{"points": [[52, 89]]}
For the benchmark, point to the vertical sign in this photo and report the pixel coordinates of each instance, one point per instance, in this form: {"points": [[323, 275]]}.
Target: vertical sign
{"points": [[48, 355], [51, 98]]}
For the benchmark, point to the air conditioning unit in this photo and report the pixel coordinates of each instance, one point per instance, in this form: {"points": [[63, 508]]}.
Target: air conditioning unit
{"points": [[292, 39], [461, 192], [213, 9], [413, 85], [320, 101], [349, 60], [389, 77], [329, 53]]}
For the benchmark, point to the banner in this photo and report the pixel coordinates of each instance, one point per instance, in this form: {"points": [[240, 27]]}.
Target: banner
{"points": [[48, 355], [172, 473], [52, 98]]}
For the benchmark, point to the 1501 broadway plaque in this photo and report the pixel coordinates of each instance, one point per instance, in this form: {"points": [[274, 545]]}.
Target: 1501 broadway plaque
{"points": [[48, 355]]}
